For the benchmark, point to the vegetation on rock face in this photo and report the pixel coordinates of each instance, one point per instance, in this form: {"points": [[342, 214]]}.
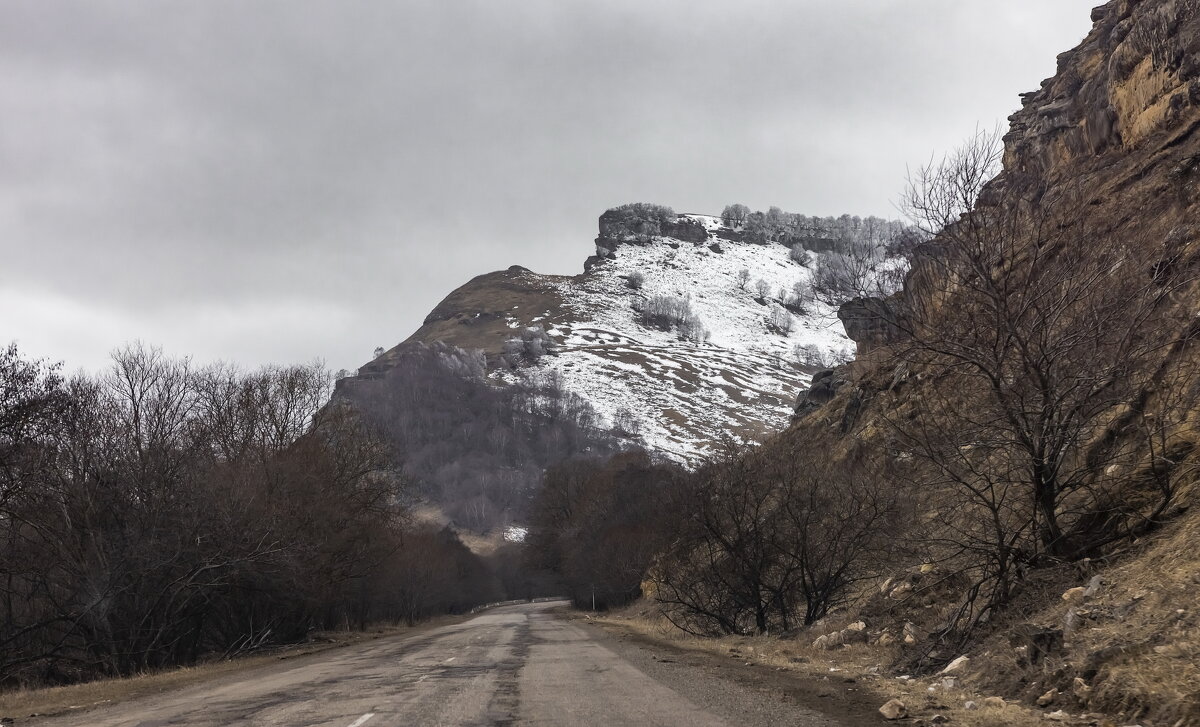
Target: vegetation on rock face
{"points": [[639, 221], [532, 344]]}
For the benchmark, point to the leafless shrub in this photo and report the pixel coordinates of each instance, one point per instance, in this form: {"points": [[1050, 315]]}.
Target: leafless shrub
{"points": [[780, 320], [771, 540], [671, 312]]}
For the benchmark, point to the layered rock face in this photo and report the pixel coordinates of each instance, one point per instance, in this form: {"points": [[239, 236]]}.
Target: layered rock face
{"points": [[1117, 130], [1118, 126], [1130, 89]]}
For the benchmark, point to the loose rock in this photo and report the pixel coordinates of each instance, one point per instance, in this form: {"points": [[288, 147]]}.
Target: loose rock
{"points": [[970, 706], [911, 633], [1047, 698], [893, 709], [901, 590], [1081, 690], [957, 665], [1074, 595], [994, 702]]}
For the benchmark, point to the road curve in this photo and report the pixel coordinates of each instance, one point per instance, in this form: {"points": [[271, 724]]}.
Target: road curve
{"points": [[515, 665]]}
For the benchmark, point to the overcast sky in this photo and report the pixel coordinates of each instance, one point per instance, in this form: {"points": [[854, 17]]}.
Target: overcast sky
{"points": [[278, 181]]}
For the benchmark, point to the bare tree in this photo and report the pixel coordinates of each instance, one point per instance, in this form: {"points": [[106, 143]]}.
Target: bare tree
{"points": [[735, 214], [771, 540], [779, 320], [1039, 336], [763, 288]]}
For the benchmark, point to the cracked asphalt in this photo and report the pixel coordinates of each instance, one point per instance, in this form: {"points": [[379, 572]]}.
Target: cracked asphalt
{"points": [[515, 665]]}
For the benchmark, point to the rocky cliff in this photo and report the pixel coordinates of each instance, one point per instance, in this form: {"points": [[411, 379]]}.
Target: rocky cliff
{"points": [[1116, 131]]}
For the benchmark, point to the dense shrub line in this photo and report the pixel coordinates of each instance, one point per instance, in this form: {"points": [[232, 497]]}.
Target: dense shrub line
{"points": [[752, 541], [161, 513]]}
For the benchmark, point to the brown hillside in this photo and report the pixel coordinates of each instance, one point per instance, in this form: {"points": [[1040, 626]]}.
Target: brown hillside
{"points": [[1116, 129]]}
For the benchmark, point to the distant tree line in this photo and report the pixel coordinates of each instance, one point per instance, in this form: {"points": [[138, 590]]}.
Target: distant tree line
{"points": [[161, 513], [598, 524], [848, 256], [821, 234]]}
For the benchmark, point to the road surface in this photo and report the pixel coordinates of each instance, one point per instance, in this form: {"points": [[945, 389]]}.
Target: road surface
{"points": [[515, 665]]}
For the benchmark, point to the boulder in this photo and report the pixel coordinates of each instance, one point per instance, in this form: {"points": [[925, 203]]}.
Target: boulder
{"points": [[1058, 716], [1074, 595], [1093, 586], [1081, 690], [957, 666], [1048, 698], [901, 590], [912, 634], [870, 323], [994, 702], [893, 709], [820, 390], [828, 641]]}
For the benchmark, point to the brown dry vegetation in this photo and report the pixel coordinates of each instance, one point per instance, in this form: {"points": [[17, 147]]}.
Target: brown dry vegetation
{"points": [[854, 673]]}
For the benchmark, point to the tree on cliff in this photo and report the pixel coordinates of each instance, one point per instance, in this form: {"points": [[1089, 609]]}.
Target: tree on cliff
{"points": [[1045, 340]]}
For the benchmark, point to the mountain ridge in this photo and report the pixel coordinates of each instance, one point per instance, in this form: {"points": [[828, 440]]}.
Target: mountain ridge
{"points": [[738, 373]]}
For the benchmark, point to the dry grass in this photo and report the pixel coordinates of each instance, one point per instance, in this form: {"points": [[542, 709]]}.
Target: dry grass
{"points": [[1147, 617], [866, 665], [21, 703]]}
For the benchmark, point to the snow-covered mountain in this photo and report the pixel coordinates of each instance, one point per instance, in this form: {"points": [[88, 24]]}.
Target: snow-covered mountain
{"points": [[738, 339]]}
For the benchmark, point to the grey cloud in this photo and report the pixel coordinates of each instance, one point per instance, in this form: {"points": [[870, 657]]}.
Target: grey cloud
{"points": [[343, 165]]}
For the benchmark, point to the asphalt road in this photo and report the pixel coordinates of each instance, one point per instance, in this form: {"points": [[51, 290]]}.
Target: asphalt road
{"points": [[516, 665]]}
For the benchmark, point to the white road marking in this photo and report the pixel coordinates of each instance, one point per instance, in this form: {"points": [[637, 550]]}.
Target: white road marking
{"points": [[362, 720]]}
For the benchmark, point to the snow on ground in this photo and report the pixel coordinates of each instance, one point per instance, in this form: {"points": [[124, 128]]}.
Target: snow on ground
{"points": [[684, 394]]}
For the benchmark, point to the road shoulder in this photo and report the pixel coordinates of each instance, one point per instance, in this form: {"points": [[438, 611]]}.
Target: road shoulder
{"points": [[758, 690], [23, 704]]}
